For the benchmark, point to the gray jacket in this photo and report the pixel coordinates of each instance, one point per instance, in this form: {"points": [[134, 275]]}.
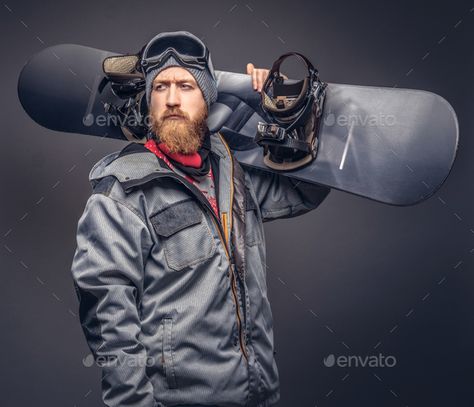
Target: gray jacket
{"points": [[173, 300]]}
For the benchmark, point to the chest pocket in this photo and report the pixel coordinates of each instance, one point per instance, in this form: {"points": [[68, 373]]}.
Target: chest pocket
{"points": [[185, 234], [252, 227]]}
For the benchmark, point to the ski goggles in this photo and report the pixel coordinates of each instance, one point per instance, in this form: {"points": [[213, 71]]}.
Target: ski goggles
{"points": [[185, 47]]}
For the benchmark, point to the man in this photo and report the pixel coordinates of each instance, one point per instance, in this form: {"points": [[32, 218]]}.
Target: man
{"points": [[170, 261]]}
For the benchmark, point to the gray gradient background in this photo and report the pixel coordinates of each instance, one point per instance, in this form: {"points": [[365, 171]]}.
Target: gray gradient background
{"points": [[353, 277]]}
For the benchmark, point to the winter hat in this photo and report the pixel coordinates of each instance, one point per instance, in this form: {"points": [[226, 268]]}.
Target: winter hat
{"points": [[205, 78]]}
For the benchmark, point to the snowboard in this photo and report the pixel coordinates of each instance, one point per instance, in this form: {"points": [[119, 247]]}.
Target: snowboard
{"points": [[394, 146]]}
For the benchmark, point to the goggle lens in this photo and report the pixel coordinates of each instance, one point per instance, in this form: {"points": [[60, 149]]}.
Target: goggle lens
{"points": [[181, 44]]}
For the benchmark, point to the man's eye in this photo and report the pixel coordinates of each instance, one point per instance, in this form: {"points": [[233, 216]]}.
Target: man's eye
{"points": [[186, 86], [159, 87]]}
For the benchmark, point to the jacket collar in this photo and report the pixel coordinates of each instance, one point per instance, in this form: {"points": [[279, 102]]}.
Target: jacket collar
{"points": [[135, 162]]}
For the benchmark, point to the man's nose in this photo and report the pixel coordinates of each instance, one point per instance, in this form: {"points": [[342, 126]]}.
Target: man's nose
{"points": [[172, 98]]}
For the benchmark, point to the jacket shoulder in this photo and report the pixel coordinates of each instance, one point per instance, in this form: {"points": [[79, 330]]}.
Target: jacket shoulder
{"points": [[133, 162]]}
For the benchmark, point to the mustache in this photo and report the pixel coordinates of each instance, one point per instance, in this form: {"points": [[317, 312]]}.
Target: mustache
{"points": [[174, 112]]}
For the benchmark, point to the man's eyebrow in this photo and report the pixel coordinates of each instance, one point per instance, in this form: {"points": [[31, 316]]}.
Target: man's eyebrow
{"points": [[167, 82]]}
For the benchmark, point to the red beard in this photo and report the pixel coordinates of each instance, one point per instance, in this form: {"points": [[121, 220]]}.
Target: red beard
{"points": [[181, 135]]}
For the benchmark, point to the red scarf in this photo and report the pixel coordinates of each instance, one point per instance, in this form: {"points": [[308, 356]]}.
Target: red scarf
{"points": [[189, 160]]}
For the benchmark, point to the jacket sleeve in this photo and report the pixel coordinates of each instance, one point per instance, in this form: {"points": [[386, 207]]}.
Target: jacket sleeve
{"points": [[107, 270], [281, 197]]}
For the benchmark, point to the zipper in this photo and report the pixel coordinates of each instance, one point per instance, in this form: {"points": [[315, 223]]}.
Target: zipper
{"points": [[233, 275], [222, 237], [224, 223]]}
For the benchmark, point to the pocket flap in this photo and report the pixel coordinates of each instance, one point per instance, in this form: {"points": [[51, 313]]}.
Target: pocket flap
{"points": [[176, 217]]}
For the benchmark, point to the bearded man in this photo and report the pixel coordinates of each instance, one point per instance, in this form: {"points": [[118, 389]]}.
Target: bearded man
{"points": [[170, 266]]}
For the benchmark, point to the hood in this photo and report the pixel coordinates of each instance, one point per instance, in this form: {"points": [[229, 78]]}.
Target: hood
{"points": [[135, 162]]}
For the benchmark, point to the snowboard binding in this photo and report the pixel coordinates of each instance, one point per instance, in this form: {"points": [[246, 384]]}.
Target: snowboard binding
{"points": [[294, 106], [127, 82]]}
